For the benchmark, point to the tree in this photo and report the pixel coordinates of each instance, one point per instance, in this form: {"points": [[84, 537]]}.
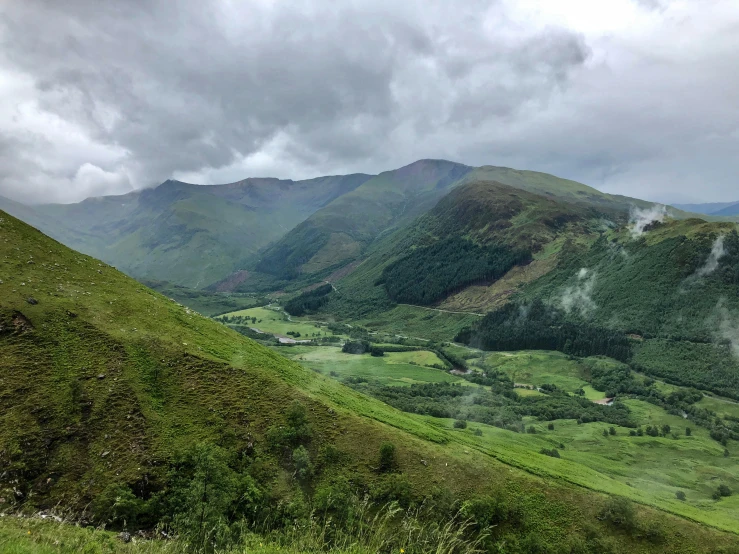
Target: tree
{"points": [[302, 463], [550, 426], [203, 489], [688, 431], [460, 424], [605, 433], [612, 431], [680, 495], [387, 456]]}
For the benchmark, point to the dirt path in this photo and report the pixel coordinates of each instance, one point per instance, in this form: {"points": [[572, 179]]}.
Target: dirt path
{"points": [[440, 310]]}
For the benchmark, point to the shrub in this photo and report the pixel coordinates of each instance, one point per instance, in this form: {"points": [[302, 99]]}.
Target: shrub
{"points": [[531, 430], [680, 495], [620, 512], [550, 426], [387, 457], [688, 431], [460, 424], [611, 431], [547, 452], [478, 432]]}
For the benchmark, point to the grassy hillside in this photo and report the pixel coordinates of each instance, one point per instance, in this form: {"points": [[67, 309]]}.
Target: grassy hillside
{"points": [[106, 386], [188, 234]]}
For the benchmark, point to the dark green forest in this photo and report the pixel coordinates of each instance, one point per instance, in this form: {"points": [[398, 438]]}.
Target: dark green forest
{"points": [[429, 274], [308, 302], [537, 326]]}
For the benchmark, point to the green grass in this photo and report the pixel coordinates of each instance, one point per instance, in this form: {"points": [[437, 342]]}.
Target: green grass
{"points": [[412, 321], [274, 320], [722, 406], [394, 368], [538, 367]]}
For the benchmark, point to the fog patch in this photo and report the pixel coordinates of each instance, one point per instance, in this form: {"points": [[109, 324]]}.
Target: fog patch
{"points": [[726, 327], [578, 296], [640, 218], [717, 252]]}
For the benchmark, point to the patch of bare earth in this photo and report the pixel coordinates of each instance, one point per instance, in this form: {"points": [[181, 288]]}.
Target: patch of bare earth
{"points": [[481, 298], [230, 283]]}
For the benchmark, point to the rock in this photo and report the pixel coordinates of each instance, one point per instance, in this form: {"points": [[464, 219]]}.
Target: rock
{"points": [[105, 453], [31, 300], [124, 536], [71, 314], [101, 376]]}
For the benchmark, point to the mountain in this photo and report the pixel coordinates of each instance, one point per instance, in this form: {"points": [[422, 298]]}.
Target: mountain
{"points": [[709, 208], [187, 234], [731, 210], [116, 400], [342, 231]]}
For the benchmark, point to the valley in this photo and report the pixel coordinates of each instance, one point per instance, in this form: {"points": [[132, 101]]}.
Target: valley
{"points": [[644, 468]]}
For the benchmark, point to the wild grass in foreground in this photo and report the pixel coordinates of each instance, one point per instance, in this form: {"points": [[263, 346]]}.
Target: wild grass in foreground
{"points": [[392, 529]]}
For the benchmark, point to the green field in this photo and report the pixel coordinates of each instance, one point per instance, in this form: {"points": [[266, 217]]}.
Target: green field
{"points": [[273, 320], [413, 321], [723, 407], [394, 368], [538, 367]]}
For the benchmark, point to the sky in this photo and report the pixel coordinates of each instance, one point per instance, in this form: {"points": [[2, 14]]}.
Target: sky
{"points": [[635, 97]]}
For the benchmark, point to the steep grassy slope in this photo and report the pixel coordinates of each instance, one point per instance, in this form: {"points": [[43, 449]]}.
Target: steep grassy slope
{"points": [[103, 381], [187, 234]]}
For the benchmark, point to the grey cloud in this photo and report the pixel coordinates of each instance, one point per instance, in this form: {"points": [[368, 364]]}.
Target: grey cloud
{"points": [[140, 91]]}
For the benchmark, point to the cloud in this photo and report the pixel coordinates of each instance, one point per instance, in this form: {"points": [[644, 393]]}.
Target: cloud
{"points": [[578, 296], [218, 91], [717, 252], [640, 218]]}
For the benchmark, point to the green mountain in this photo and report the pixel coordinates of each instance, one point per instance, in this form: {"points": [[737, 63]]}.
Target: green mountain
{"points": [[116, 400], [343, 231], [187, 234]]}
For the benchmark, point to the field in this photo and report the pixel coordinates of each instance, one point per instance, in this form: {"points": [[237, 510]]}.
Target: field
{"points": [[539, 367], [723, 407], [427, 323], [394, 368], [273, 320]]}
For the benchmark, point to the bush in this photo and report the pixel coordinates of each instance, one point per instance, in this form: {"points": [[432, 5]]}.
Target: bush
{"points": [[377, 352], [478, 432], [550, 426], [680, 495], [688, 431], [460, 424], [547, 452], [387, 457], [619, 512]]}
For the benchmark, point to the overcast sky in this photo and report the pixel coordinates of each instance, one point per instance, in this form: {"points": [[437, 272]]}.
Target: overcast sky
{"points": [[638, 97]]}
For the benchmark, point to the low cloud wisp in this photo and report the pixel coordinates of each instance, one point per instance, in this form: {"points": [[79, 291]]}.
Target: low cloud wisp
{"points": [[578, 296], [640, 218]]}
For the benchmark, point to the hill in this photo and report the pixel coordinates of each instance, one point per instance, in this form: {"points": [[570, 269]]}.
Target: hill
{"points": [[116, 398], [187, 234]]}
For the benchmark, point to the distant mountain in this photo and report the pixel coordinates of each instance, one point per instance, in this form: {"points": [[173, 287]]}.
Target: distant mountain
{"points": [[711, 208], [730, 210], [188, 234], [266, 234]]}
